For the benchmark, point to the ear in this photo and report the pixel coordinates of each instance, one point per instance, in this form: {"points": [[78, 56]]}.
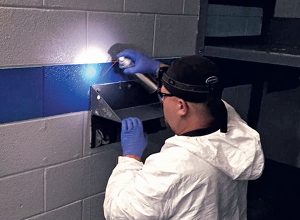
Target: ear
{"points": [[182, 107]]}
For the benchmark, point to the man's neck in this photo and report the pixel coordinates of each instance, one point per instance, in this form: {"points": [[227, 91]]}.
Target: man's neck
{"points": [[196, 124]]}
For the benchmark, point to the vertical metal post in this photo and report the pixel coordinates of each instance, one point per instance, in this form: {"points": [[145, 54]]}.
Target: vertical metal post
{"points": [[201, 27]]}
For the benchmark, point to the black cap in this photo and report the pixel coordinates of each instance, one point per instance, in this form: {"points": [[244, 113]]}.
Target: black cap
{"points": [[195, 79]]}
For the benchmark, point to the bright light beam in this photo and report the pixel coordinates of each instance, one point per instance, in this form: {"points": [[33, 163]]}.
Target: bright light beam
{"points": [[92, 55], [90, 72]]}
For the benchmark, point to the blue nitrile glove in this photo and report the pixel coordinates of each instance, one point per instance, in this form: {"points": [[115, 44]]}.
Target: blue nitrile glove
{"points": [[133, 139], [142, 63]]}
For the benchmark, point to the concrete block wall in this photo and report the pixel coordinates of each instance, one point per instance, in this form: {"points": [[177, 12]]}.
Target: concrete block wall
{"points": [[287, 9], [228, 21], [55, 32], [47, 168]]}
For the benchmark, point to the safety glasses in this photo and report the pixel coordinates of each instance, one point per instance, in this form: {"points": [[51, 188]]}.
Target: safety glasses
{"points": [[162, 95]]}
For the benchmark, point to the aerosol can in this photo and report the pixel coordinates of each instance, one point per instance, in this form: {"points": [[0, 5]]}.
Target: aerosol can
{"points": [[145, 80]]}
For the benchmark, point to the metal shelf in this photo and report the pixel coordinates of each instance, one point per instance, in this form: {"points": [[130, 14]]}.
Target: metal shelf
{"points": [[252, 55]]}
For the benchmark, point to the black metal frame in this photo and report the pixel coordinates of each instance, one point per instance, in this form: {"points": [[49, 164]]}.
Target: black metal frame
{"points": [[251, 59], [110, 103]]}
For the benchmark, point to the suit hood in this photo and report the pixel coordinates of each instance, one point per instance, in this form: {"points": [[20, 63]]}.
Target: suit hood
{"points": [[237, 153]]}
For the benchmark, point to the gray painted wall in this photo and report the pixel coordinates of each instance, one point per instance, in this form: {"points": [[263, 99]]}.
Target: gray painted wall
{"points": [[287, 9], [39, 32], [48, 170], [279, 125], [229, 21]]}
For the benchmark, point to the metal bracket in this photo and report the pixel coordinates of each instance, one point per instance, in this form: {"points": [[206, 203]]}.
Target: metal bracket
{"points": [[110, 103]]}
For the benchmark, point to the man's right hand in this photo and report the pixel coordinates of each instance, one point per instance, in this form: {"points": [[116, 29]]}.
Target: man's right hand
{"points": [[142, 63]]}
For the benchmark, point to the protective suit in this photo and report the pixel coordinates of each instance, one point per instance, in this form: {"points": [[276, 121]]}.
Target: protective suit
{"points": [[201, 177]]}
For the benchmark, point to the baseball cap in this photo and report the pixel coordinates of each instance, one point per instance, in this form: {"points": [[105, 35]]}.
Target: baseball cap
{"points": [[193, 78]]}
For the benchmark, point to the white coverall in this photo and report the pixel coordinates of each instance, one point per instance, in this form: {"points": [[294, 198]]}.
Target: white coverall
{"points": [[191, 178]]}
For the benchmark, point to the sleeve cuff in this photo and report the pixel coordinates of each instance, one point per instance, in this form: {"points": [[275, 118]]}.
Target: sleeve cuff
{"points": [[129, 163]]}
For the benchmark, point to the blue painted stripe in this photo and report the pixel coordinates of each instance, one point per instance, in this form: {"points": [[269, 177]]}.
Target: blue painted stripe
{"points": [[66, 88], [21, 94], [34, 92]]}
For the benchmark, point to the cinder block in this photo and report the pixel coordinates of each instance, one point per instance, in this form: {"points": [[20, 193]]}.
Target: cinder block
{"points": [[287, 9], [223, 26], [22, 3], [33, 36], [106, 31], [37, 143], [79, 179], [212, 24], [252, 27], [155, 6], [21, 195], [191, 7], [69, 212], [93, 208], [226, 21], [226, 26], [230, 10], [36, 3], [101, 5], [175, 35], [297, 10], [239, 98]]}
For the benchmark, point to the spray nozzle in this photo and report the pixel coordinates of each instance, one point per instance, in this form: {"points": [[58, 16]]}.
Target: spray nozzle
{"points": [[145, 81], [125, 62]]}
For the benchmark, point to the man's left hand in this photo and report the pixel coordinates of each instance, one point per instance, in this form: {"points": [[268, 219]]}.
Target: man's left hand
{"points": [[133, 140]]}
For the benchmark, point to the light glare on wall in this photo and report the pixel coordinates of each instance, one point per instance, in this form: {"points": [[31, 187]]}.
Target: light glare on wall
{"points": [[92, 55], [91, 72]]}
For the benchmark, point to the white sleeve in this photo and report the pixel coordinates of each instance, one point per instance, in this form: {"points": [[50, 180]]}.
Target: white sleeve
{"points": [[137, 191]]}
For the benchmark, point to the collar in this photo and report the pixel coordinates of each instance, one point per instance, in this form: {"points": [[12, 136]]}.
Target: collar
{"points": [[201, 131]]}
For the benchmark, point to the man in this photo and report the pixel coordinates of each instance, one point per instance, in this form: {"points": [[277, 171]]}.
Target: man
{"points": [[202, 171]]}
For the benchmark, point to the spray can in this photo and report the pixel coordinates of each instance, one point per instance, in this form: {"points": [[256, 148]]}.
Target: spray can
{"points": [[145, 80]]}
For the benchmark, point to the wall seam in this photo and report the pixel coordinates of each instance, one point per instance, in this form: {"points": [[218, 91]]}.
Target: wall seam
{"points": [[81, 206], [87, 29], [45, 187], [154, 35], [66, 162], [20, 173], [72, 9], [84, 122], [94, 195], [43, 93], [49, 211], [46, 166], [84, 10]]}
